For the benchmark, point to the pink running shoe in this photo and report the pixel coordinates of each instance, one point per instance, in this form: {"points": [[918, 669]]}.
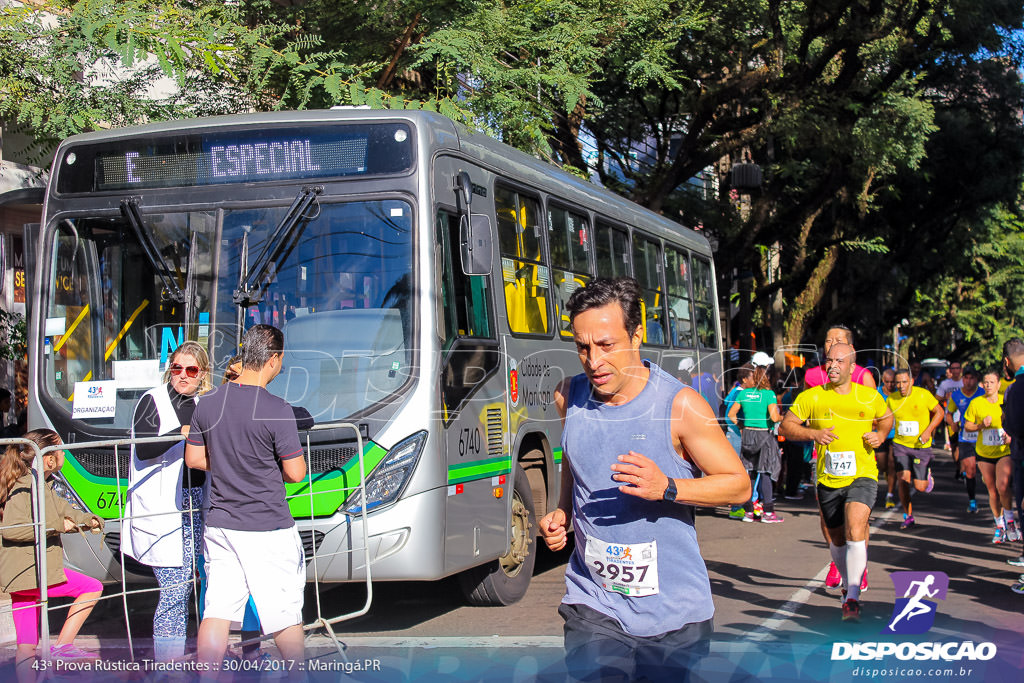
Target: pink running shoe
{"points": [[70, 651], [834, 578]]}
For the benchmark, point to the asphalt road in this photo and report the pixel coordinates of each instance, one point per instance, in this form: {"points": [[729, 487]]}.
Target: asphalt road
{"points": [[774, 619]]}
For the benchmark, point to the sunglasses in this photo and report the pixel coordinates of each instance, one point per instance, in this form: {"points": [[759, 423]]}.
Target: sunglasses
{"points": [[192, 371]]}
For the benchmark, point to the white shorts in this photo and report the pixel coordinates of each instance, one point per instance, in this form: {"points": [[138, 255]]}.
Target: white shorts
{"points": [[269, 565]]}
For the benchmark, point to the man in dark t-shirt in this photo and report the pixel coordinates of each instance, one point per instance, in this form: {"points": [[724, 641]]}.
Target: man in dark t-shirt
{"points": [[246, 439]]}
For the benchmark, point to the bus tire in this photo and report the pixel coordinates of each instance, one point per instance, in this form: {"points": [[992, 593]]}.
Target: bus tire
{"points": [[504, 581]]}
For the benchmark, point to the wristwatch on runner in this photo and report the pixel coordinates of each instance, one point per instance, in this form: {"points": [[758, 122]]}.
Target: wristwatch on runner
{"points": [[670, 491]]}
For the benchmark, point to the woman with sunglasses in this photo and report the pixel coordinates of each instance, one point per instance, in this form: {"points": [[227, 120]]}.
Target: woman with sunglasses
{"points": [[163, 519]]}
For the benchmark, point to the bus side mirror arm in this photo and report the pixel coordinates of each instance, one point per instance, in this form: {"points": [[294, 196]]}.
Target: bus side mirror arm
{"points": [[464, 186]]}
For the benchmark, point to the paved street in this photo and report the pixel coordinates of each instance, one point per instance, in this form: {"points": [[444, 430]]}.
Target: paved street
{"points": [[774, 619]]}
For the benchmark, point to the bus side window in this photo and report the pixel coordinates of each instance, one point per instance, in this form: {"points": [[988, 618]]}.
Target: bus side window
{"points": [[704, 304], [612, 251], [73, 315], [647, 266], [677, 282], [523, 273], [466, 302], [569, 239]]}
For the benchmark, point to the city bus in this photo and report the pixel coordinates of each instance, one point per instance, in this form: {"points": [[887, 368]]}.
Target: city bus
{"points": [[419, 272]]}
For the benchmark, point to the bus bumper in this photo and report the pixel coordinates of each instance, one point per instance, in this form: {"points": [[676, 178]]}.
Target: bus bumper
{"points": [[404, 541]]}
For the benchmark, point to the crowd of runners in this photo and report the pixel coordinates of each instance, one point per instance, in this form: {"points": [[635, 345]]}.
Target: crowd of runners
{"points": [[843, 430]]}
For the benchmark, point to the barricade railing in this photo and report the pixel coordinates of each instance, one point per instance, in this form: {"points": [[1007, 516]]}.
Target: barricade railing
{"points": [[321, 621]]}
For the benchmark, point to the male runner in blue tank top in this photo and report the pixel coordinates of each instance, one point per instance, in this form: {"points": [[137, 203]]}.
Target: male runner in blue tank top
{"points": [[638, 599], [963, 449]]}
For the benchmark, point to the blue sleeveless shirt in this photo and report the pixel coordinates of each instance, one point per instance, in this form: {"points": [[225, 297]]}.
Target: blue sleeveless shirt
{"points": [[595, 435]]}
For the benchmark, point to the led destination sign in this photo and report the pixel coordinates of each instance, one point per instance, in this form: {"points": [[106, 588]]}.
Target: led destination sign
{"points": [[244, 162], [239, 156]]}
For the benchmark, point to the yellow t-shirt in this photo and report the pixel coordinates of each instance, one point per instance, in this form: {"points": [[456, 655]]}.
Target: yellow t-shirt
{"points": [[990, 444], [1004, 384], [912, 415], [850, 416]]}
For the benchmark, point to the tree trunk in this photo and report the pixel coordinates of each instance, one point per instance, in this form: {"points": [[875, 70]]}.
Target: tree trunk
{"points": [[565, 138], [810, 297], [389, 73]]}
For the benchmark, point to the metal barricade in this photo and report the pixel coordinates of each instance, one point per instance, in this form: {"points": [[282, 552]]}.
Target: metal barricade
{"points": [[321, 620]]}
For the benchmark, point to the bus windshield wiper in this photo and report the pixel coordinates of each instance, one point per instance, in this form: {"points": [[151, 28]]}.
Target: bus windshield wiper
{"points": [[250, 287], [130, 211]]}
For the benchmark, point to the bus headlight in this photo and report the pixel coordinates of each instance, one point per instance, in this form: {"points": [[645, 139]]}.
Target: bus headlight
{"points": [[387, 481], [61, 488]]}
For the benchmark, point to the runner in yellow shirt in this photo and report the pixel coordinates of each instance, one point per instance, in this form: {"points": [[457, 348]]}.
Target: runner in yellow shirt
{"points": [[985, 415], [917, 414], [847, 422]]}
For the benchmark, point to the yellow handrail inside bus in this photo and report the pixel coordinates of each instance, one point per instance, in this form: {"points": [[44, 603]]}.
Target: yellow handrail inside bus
{"points": [[113, 345], [124, 330], [67, 335]]}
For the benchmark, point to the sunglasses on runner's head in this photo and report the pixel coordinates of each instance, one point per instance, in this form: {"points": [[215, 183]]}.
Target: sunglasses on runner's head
{"points": [[191, 371]]}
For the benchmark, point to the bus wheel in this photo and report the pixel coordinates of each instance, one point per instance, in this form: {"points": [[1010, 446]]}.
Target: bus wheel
{"points": [[505, 580]]}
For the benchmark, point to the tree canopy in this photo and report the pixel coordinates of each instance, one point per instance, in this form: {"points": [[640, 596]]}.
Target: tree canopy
{"points": [[888, 131]]}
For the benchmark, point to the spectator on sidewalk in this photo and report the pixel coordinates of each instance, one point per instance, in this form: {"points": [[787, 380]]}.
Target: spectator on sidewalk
{"points": [[163, 521], [759, 451], [246, 439], [18, 569]]}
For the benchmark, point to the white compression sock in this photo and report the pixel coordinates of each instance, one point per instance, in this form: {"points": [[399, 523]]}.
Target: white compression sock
{"points": [[839, 557], [1007, 515], [856, 563]]}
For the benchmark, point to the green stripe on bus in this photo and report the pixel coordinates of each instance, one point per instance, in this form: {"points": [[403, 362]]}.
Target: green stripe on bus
{"points": [[330, 489], [556, 455], [479, 469], [83, 474], [99, 494]]}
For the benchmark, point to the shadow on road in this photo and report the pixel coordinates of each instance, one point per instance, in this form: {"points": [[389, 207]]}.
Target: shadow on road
{"points": [[402, 605]]}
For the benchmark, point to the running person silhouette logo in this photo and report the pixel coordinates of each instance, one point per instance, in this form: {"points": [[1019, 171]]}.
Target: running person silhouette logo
{"points": [[914, 612]]}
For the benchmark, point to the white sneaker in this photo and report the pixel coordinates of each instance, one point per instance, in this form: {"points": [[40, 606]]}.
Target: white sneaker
{"points": [[1012, 532]]}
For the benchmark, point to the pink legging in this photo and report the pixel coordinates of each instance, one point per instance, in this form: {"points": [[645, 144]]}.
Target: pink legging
{"points": [[26, 617]]}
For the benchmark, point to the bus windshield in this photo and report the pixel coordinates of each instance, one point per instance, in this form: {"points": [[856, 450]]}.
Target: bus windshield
{"points": [[340, 288]]}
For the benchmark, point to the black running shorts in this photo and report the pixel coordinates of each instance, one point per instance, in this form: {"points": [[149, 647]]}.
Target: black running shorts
{"points": [[832, 502]]}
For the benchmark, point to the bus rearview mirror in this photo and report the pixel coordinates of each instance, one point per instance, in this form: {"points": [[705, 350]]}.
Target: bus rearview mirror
{"points": [[475, 239]]}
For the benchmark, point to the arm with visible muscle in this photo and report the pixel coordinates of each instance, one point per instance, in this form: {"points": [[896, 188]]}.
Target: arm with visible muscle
{"points": [[700, 439]]}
